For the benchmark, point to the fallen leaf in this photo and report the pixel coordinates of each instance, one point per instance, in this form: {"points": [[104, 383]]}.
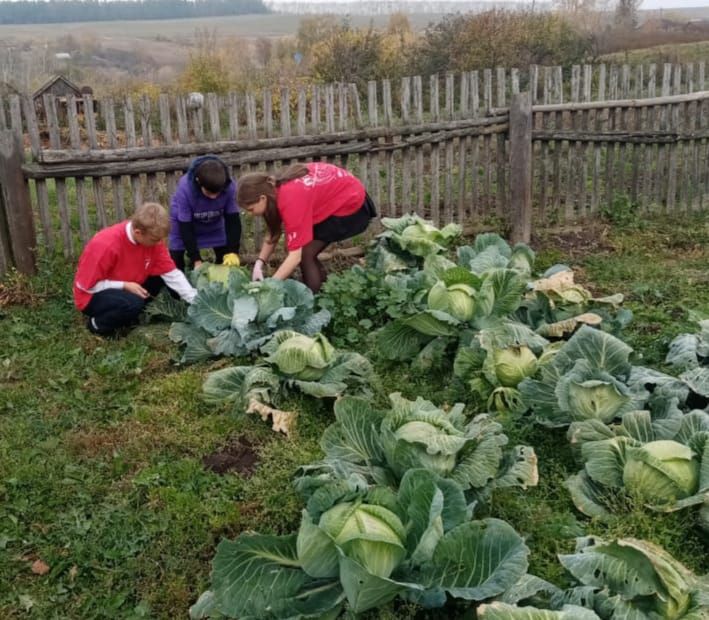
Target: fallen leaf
{"points": [[40, 568], [73, 572], [26, 601]]}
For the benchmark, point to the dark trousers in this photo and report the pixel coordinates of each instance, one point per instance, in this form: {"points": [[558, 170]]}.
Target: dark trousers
{"points": [[179, 256], [114, 308], [330, 230]]}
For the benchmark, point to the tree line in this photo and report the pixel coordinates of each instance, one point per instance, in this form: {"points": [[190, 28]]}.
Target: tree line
{"points": [[57, 11]]}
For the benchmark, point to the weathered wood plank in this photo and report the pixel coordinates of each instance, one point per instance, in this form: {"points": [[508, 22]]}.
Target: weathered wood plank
{"points": [[315, 109], [501, 75], [372, 159], [267, 98], [356, 106], [330, 108], [285, 112], [449, 109], [17, 233], [109, 115], [50, 111], [131, 141], [183, 132], [435, 161], [386, 102], [521, 168], [233, 114], [145, 125], [215, 129], [301, 123], [75, 143], [165, 120], [251, 122]]}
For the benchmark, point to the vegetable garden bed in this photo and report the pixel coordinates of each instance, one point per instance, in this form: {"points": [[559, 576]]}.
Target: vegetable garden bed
{"points": [[104, 455]]}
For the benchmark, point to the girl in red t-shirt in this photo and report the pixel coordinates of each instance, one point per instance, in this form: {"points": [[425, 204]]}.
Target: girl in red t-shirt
{"points": [[316, 204]]}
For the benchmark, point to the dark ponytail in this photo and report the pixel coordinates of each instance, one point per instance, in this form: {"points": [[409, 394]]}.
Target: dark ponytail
{"points": [[253, 185]]}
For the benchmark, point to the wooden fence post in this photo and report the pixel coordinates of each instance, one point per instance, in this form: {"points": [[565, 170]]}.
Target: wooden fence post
{"points": [[15, 205], [521, 167]]}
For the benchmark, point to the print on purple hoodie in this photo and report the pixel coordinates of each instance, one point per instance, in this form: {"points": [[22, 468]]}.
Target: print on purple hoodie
{"points": [[189, 204]]}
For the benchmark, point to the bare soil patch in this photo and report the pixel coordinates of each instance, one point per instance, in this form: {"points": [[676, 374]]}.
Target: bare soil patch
{"points": [[575, 242], [238, 455]]}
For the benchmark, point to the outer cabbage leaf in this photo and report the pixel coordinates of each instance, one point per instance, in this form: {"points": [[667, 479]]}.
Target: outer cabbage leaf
{"points": [[260, 576], [477, 560], [502, 611], [640, 572]]}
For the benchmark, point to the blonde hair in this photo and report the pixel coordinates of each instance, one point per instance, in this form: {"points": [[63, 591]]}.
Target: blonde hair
{"points": [[151, 218]]}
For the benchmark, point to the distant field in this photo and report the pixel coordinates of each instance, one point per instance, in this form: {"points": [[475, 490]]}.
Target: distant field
{"points": [[685, 52], [249, 26]]}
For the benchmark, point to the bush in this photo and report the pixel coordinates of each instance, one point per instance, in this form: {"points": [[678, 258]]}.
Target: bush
{"points": [[499, 38]]}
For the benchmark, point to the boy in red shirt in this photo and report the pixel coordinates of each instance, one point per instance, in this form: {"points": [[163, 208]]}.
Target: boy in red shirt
{"points": [[122, 267], [316, 203]]}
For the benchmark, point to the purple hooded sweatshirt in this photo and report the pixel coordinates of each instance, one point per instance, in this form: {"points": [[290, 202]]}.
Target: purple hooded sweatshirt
{"points": [[189, 204]]}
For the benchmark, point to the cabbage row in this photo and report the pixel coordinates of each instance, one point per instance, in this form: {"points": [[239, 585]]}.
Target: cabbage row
{"points": [[390, 508]]}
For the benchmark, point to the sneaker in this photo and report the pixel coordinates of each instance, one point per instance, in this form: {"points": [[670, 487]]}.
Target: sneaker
{"points": [[91, 325]]}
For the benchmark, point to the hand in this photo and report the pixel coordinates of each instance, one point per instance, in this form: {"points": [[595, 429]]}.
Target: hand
{"points": [[136, 289], [196, 264], [231, 260], [257, 273]]}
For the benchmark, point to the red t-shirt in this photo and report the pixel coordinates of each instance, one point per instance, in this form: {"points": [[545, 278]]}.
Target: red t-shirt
{"points": [[111, 255], [325, 191]]}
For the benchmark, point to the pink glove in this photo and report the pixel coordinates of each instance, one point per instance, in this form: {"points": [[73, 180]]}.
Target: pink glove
{"points": [[257, 273]]}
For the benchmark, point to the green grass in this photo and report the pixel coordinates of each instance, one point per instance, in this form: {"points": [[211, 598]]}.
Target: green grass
{"points": [[659, 54], [101, 447]]}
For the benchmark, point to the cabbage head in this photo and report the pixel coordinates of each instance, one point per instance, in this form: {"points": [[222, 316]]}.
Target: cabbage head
{"points": [[371, 535], [207, 273], [218, 273], [458, 300], [595, 399], [415, 434], [303, 357], [661, 471], [514, 363]]}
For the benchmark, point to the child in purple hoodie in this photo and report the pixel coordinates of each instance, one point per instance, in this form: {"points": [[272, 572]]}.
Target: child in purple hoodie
{"points": [[203, 213]]}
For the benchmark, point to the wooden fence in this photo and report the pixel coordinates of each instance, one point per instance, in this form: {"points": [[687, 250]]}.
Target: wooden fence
{"points": [[444, 162]]}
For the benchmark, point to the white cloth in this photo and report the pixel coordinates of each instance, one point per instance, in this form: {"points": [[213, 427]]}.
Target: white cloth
{"points": [[177, 281]]}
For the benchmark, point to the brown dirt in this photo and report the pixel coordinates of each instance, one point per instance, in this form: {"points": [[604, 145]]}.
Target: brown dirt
{"points": [[575, 242], [18, 291], [238, 455]]}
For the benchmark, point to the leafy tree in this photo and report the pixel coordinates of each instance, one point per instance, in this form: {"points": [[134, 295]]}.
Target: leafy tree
{"points": [[347, 54], [499, 38], [626, 13]]}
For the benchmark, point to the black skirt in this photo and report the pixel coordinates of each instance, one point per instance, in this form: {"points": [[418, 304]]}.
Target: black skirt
{"points": [[337, 228]]}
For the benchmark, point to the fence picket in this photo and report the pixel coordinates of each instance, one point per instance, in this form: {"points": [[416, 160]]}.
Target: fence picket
{"points": [[109, 114], [50, 111]]}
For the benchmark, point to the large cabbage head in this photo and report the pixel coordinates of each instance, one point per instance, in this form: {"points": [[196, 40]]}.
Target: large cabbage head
{"points": [[303, 357], [661, 471], [514, 363], [371, 535], [421, 439], [595, 399], [207, 273], [458, 300], [219, 273]]}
